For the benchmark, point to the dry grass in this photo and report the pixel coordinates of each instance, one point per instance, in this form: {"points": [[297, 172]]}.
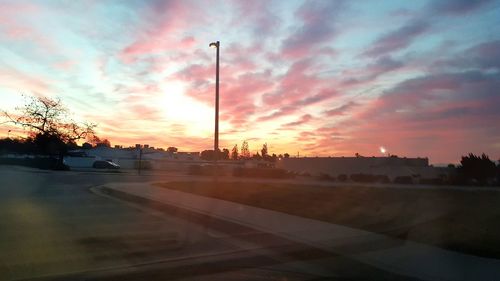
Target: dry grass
{"points": [[466, 221]]}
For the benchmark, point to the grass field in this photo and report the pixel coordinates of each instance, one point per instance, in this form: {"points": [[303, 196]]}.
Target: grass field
{"points": [[465, 221]]}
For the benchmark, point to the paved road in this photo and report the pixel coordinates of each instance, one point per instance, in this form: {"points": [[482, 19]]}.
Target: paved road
{"points": [[53, 227]]}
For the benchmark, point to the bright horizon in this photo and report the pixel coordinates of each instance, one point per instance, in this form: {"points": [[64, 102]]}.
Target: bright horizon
{"points": [[323, 78]]}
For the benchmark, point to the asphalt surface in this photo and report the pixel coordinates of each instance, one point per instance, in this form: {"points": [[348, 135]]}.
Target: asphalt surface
{"points": [[53, 226]]}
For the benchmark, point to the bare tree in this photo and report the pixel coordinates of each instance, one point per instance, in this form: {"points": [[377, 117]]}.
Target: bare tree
{"points": [[49, 117]]}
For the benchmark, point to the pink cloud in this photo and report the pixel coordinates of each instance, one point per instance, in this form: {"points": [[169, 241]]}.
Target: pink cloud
{"points": [[258, 15], [397, 39], [168, 20], [318, 26], [302, 120], [341, 110], [23, 82], [14, 23], [461, 118]]}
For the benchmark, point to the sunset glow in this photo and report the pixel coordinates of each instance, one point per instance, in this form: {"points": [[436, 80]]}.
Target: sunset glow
{"points": [[323, 78]]}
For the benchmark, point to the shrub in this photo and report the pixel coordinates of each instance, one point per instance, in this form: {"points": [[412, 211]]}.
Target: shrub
{"points": [[342, 177], [403, 180], [366, 178], [476, 169], [382, 179], [325, 177]]}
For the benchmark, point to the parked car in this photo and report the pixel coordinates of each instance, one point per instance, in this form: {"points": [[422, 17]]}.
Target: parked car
{"points": [[101, 164]]}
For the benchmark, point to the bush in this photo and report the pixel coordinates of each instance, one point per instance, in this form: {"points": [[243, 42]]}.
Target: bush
{"points": [[261, 173], [342, 177], [325, 177], [382, 179], [403, 180], [366, 178]]}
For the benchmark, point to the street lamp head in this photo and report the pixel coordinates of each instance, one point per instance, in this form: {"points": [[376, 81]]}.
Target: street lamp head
{"points": [[214, 45]]}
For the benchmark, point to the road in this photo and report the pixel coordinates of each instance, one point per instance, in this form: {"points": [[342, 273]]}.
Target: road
{"points": [[54, 227]]}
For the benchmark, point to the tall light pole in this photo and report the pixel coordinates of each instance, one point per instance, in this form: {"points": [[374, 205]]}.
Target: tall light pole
{"points": [[216, 45]]}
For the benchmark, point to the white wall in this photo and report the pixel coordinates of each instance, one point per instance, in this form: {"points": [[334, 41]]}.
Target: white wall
{"points": [[80, 162]]}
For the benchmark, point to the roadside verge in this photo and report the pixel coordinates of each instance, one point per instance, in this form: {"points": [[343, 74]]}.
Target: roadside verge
{"points": [[393, 255]]}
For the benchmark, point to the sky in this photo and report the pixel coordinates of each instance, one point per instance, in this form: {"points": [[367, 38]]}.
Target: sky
{"points": [[315, 78]]}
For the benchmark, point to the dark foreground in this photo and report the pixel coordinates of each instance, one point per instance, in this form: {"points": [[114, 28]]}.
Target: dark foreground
{"points": [[461, 219], [54, 227]]}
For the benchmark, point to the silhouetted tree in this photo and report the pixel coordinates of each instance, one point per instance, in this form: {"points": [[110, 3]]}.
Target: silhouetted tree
{"points": [[49, 125], [172, 149], [274, 157], [286, 155], [257, 156], [234, 152], [498, 172], [21, 146], [50, 144], [103, 143], [263, 151], [207, 154], [224, 155], [86, 145], [478, 168], [245, 151]]}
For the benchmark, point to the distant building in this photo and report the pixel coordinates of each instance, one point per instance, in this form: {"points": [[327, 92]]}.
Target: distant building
{"points": [[335, 166], [127, 157]]}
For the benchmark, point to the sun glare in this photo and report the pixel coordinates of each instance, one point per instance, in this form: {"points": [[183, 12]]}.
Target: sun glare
{"points": [[179, 108], [383, 150]]}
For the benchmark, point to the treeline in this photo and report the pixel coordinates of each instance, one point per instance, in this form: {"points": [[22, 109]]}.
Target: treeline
{"points": [[242, 154], [45, 144], [38, 144]]}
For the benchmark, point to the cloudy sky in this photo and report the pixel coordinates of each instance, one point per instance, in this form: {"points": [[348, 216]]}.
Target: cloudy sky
{"points": [[323, 78]]}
